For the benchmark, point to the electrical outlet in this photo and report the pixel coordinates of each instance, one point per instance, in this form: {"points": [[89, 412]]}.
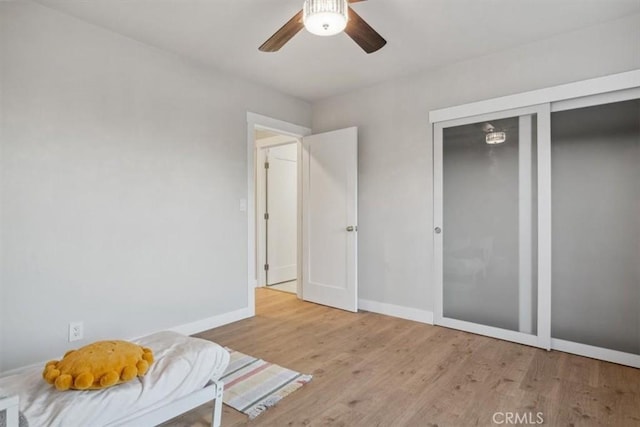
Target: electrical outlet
{"points": [[76, 331]]}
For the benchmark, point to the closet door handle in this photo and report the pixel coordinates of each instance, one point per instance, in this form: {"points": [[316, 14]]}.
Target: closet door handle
{"points": [[351, 228], [438, 230]]}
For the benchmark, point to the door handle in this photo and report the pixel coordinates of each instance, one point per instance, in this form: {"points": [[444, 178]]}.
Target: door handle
{"points": [[352, 228]]}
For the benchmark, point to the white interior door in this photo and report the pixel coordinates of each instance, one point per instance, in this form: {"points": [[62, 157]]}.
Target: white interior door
{"points": [[330, 214], [282, 210]]}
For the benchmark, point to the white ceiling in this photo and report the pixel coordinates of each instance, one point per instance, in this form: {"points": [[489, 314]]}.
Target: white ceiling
{"points": [[421, 34]]}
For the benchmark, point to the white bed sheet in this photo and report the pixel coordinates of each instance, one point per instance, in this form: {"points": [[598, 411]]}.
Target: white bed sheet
{"points": [[182, 365]]}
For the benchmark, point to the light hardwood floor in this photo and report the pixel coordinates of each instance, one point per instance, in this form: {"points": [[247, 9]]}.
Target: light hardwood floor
{"points": [[375, 370]]}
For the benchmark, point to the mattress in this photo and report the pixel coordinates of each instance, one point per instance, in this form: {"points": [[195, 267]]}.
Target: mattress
{"points": [[182, 365]]}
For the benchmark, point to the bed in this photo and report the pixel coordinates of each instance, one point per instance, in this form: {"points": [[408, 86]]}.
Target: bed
{"points": [[184, 375]]}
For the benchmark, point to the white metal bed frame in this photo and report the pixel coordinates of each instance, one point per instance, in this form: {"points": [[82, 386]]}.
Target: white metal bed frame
{"points": [[9, 404], [212, 391]]}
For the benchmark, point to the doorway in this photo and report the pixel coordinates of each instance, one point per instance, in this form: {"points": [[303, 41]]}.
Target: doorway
{"points": [[326, 229], [277, 200]]}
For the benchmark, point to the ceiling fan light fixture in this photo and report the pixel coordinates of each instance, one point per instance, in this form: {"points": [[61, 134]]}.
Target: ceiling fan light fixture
{"points": [[325, 17]]}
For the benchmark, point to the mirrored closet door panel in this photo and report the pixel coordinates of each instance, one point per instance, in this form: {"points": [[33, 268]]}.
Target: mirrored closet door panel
{"points": [[595, 189], [486, 191]]}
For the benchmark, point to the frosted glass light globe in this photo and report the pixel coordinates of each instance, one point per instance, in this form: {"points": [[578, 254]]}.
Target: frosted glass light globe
{"points": [[325, 17]]}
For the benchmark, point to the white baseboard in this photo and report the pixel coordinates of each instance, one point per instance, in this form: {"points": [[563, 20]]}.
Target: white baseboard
{"points": [[409, 313], [186, 329], [212, 322]]}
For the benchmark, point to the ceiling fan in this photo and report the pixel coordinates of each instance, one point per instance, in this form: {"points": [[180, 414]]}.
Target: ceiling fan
{"points": [[327, 18]]}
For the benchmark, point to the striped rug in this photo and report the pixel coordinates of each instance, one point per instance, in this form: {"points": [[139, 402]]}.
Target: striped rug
{"points": [[252, 385]]}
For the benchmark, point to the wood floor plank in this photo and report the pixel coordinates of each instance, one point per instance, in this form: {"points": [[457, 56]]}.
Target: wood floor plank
{"points": [[374, 370]]}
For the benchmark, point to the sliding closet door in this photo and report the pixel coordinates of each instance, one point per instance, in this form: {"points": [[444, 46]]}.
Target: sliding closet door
{"points": [[537, 219], [486, 216], [596, 231]]}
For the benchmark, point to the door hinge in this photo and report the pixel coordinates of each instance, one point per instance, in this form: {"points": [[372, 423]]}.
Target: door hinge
{"points": [[266, 267], [266, 216], [266, 165]]}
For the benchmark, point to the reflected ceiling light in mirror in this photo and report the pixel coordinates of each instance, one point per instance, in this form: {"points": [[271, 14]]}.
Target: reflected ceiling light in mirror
{"points": [[492, 136], [495, 137]]}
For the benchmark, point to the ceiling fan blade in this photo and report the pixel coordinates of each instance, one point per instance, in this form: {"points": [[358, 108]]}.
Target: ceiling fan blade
{"points": [[362, 33], [284, 34]]}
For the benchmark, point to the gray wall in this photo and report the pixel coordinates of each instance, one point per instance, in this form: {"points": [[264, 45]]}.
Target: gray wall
{"points": [[395, 160], [122, 168]]}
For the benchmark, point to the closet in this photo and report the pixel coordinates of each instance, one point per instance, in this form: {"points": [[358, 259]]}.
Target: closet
{"points": [[537, 218]]}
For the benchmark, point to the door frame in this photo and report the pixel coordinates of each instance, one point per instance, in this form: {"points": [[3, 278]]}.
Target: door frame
{"points": [[258, 121]]}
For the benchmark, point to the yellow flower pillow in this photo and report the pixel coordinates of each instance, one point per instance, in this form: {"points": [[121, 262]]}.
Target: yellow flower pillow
{"points": [[98, 365]]}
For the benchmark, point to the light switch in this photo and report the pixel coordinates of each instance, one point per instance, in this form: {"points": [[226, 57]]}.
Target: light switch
{"points": [[243, 205]]}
